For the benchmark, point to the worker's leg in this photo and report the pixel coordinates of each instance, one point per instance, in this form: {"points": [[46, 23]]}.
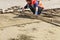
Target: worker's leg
{"points": [[32, 9], [39, 10]]}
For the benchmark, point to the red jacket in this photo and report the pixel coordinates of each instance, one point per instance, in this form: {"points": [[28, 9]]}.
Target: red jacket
{"points": [[40, 3], [37, 4], [33, 2]]}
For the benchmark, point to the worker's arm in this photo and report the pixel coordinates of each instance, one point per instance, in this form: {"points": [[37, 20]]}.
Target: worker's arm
{"points": [[23, 8], [36, 11], [26, 6]]}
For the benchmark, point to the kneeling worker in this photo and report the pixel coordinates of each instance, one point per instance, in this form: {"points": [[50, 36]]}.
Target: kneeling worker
{"points": [[35, 6]]}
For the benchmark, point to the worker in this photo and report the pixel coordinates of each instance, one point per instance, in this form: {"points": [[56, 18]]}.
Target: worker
{"points": [[35, 6]]}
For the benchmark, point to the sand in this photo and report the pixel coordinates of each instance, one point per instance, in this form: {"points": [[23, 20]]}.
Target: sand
{"points": [[12, 26]]}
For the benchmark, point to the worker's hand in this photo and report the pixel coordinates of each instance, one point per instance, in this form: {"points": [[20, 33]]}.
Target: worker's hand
{"points": [[23, 8]]}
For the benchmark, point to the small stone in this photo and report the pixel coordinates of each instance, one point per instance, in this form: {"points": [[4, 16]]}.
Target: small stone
{"points": [[1, 11]]}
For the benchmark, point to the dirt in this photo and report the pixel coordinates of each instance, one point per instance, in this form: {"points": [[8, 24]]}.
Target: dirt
{"points": [[17, 26], [24, 27]]}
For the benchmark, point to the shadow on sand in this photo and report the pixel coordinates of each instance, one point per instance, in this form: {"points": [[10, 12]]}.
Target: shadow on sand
{"points": [[23, 16]]}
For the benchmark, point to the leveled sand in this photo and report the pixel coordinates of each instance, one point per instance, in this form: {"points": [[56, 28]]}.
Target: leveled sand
{"points": [[11, 26]]}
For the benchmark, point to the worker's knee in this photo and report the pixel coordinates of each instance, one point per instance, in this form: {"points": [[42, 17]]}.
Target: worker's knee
{"points": [[39, 10]]}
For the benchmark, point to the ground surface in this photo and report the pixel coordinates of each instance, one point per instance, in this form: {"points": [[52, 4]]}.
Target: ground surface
{"points": [[13, 26]]}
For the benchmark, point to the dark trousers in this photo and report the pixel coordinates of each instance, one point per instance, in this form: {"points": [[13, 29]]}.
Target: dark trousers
{"points": [[33, 9]]}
